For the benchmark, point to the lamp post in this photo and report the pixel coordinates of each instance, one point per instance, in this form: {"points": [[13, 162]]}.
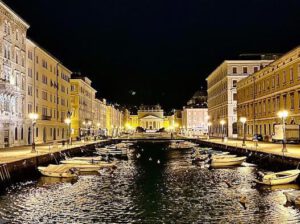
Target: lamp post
{"points": [[68, 122], [208, 126], [243, 120], [222, 122], [283, 115], [33, 117]]}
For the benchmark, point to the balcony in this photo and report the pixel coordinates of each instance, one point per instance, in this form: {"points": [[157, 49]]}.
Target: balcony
{"points": [[46, 118]]}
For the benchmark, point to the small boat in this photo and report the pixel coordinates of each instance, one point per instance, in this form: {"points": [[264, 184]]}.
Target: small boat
{"points": [[91, 167], [82, 162], [62, 171], [92, 159], [227, 161], [293, 197], [221, 156], [284, 177]]}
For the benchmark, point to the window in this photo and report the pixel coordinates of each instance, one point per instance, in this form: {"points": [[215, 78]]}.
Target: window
{"points": [[292, 98], [44, 95], [245, 70], [277, 79], [22, 133], [37, 59], [284, 77], [16, 133], [29, 108], [29, 72], [235, 96], [29, 90], [298, 71], [291, 74], [255, 69], [44, 79], [44, 111], [284, 101], [17, 34], [234, 70], [37, 76], [30, 55], [234, 82]]}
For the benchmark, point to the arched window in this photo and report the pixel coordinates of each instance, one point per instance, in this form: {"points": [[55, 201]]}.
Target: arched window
{"points": [[17, 34]]}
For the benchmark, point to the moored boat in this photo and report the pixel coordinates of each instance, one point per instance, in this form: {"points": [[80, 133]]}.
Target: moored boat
{"points": [[61, 171], [284, 177], [91, 167], [227, 161]]}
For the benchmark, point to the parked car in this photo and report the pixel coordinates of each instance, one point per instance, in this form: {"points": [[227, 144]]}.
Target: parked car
{"points": [[258, 137]]}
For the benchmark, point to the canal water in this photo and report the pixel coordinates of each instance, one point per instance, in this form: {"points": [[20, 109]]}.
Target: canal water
{"points": [[147, 191]]}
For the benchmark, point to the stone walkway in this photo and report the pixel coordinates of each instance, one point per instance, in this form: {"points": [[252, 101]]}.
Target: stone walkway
{"points": [[23, 152], [293, 150]]}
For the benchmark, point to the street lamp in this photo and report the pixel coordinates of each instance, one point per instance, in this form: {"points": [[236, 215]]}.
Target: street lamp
{"points": [[243, 120], [208, 126], [68, 122], [222, 122], [283, 115], [33, 117]]}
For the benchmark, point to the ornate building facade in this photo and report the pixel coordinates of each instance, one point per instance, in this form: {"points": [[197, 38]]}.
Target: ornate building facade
{"points": [[222, 93], [263, 94], [13, 31]]}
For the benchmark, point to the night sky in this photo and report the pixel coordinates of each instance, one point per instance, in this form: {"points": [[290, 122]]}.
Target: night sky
{"points": [[161, 49]]}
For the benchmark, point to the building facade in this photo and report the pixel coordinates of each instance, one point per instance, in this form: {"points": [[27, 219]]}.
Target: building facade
{"points": [[222, 93], [82, 102], [195, 120], [263, 94], [48, 89], [13, 31]]}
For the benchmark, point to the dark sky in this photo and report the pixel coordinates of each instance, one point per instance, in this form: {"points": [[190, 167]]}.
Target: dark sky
{"points": [[162, 49]]}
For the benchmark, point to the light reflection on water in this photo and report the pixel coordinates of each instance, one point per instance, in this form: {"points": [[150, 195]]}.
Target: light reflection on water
{"points": [[144, 191]]}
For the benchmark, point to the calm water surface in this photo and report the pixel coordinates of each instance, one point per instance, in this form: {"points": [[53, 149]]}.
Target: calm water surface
{"points": [[143, 191]]}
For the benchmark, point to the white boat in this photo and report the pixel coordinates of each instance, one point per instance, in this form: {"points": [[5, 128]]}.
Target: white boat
{"points": [[91, 167], [82, 162], [92, 159], [283, 177], [61, 171], [221, 156], [229, 161]]}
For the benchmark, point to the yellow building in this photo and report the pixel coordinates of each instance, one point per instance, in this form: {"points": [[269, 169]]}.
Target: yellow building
{"points": [[48, 90], [222, 93], [82, 101], [274, 88]]}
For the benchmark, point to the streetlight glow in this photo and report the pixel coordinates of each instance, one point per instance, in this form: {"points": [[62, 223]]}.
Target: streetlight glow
{"points": [[283, 114], [243, 120]]}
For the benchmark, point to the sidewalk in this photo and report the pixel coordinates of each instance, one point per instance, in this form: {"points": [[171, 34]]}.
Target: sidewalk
{"points": [[8, 155], [293, 150]]}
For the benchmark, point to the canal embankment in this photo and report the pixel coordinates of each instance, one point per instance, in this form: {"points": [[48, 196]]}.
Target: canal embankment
{"points": [[19, 162], [262, 153]]}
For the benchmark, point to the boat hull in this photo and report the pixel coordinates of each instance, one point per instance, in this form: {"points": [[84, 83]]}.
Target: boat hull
{"points": [[227, 162]]}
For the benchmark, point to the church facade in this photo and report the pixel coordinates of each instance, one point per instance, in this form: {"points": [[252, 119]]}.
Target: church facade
{"points": [[150, 118]]}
